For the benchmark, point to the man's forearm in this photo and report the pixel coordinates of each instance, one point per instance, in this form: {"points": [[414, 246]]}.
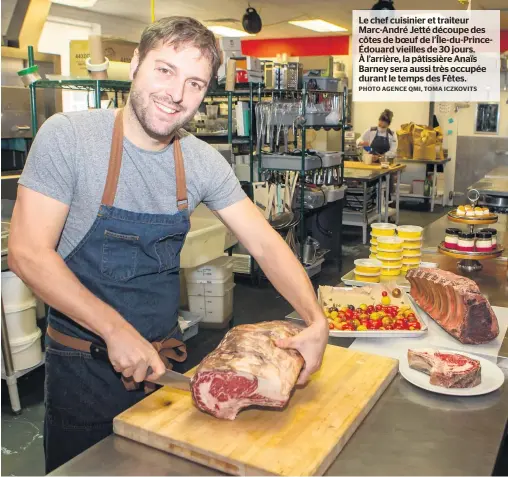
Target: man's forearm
{"points": [[288, 276], [46, 273]]}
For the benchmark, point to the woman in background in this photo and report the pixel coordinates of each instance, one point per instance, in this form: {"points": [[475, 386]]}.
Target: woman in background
{"points": [[381, 139]]}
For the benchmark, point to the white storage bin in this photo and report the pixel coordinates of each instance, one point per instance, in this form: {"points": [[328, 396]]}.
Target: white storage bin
{"points": [[26, 351], [21, 320], [204, 242], [218, 269], [14, 292], [209, 287], [215, 310]]}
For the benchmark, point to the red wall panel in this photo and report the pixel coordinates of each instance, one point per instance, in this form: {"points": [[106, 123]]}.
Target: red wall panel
{"points": [[309, 46], [504, 41]]}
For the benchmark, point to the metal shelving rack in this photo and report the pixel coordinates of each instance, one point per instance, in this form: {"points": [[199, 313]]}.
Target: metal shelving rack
{"points": [[342, 127]]}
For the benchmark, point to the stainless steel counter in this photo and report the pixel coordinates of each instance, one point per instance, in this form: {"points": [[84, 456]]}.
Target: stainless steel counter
{"points": [[498, 172], [408, 432], [497, 186]]}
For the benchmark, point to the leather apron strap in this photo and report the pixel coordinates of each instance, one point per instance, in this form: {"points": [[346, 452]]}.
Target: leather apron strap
{"points": [[115, 164]]}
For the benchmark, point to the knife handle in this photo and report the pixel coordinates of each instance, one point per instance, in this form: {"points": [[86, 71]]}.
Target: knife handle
{"points": [[99, 352]]}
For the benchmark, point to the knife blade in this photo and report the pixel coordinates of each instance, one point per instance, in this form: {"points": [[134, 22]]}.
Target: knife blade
{"points": [[169, 378], [174, 380]]}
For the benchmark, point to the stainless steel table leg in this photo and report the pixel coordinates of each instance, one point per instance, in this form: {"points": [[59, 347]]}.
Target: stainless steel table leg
{"points": [[397, 198], [12, 382], [433, 191], [387, 199]]}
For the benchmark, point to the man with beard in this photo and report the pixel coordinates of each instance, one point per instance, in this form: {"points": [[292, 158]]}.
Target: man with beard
{"points": [[100, 219]]}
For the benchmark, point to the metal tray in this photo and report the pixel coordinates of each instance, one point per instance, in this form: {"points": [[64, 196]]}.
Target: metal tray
{"points": [[400, 281], [290, 163]]}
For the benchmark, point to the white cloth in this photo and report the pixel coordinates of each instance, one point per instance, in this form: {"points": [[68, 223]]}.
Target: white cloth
{"points": [[368, 136]]}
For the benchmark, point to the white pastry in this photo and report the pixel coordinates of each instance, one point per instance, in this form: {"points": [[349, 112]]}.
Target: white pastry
{"points": [[470, 213]]}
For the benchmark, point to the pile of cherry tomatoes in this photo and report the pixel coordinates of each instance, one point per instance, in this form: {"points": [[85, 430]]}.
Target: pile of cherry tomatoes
{"points": [[383, 316]]}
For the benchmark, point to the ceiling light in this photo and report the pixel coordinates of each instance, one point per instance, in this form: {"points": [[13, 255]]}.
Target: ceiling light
{"points": [[227, 32], [76, 3], [383, 5], [318, 25]]}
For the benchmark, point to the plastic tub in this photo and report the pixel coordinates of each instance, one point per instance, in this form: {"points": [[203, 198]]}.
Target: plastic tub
{"points": [[392, 263], [411, 261], [189, 323], [26, 351], [409, 231], [390, 271], [405, 268], [373, 241], [389, 255], [373, 249], [373, 256], [364, 265], [412, 253], [383, 229], [408, 245], [21, 320], [370, 278], [218, 269], [209, 287], [216, 311], [389, 243], [14, 292], [204, 242]]}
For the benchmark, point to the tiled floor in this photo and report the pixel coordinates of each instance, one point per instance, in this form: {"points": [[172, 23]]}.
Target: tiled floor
{"points": [[22, 445]]}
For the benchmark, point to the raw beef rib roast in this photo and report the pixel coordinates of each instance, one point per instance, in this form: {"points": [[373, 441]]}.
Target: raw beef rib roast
{"points": [[247, 369], [449, 370], [454, 303]]}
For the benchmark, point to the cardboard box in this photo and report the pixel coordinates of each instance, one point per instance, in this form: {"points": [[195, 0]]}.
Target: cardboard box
{"points": [[115, 50]]}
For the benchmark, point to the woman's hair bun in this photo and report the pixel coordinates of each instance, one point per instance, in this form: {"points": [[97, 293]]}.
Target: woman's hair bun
{"points": [[386, 116]]}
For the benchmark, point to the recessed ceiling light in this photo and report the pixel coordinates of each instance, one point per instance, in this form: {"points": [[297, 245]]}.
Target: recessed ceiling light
{"points": [[226, 31], [318, 25], [76, 3]]}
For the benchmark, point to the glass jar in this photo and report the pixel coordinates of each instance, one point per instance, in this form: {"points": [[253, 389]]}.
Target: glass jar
{"points": [[465, 242], [452, 238], [493, 232], [483, 242]]}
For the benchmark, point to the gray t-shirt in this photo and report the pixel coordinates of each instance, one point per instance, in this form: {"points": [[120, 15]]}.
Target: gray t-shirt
{"points": [[69, 159]]}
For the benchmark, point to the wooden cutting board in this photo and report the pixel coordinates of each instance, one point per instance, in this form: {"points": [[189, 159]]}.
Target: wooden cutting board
{"points": [[372, 167], [303, 439]]}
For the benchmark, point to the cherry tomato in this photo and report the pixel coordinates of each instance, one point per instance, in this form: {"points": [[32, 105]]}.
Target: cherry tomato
{"points": [[331, 326], [351, 307], [399, 326], [342, 316], [371, 309], [348, 327], [376, 325], [384, 293], [379, 307], [388, 327], [415, 326], [349, 314]]}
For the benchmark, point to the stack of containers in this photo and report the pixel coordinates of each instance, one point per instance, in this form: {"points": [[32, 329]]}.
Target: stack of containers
{"points": [[380, 230], [210, 292], [389, 253], [412, 237], [21, 319], [368, 270]]}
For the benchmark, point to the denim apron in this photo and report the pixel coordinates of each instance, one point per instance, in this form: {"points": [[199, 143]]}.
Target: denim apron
{"points": [[380, 145], [131, 261]]}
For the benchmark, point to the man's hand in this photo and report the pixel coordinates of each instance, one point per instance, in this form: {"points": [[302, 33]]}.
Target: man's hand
{"points": [[131, 355], [311, 343]]}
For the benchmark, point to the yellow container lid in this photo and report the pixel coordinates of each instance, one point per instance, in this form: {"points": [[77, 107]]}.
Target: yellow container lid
{"points": [[368, 262], [409, 229]]}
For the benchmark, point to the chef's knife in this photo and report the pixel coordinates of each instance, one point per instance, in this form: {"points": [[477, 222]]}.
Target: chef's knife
{"points": [[169, 378]]}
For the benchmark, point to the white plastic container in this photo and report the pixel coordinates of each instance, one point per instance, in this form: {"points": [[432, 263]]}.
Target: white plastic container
{"points": [[5, 235], [14, 292], [204, 242], [26, 351], [218, 269], [21, 320], [215, 310], [209, 287]]}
